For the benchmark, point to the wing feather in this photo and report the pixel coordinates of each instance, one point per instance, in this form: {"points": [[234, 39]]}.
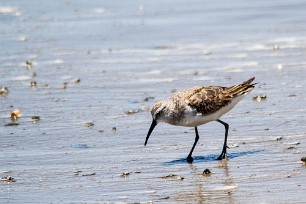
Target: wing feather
{"points": [[207, 100]]}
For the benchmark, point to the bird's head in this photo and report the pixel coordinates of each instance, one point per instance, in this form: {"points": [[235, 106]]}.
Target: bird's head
{"points": [[158, 113]]}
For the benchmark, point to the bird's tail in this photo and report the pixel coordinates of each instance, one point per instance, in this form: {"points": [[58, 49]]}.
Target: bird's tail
{"points": [[241, 89]]}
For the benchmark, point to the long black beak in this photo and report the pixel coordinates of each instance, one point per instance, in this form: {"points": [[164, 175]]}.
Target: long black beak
{"points": [[154, 123]]}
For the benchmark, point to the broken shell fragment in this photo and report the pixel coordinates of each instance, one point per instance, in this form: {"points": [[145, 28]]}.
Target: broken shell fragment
{"points": [[133, 111], [33, 83], [259, 98], [148, 98], [89, 124], [64, 86], [276, 47], [8, 179], [173, 176], [4, 91], [77, 172], [77, 80], [125, 174], [89, 174], [15, 114], [278, 138], [29, 64]]}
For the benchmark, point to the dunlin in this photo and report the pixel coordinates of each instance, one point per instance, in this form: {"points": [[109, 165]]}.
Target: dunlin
{"points": [[198, 105]]}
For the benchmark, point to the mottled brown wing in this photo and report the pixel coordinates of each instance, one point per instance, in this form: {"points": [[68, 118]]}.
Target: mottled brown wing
{"points": [[209, 99], [242, 88]]}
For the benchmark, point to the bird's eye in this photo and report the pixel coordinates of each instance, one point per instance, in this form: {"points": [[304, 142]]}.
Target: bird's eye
{"points": [[159, 113]]}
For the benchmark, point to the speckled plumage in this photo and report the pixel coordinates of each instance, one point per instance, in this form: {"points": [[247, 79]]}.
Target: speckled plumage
{"points": [[198, 105], [199, 101]]}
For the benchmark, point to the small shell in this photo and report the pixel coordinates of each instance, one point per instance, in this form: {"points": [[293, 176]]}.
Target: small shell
{"points": [[15, 114], [4, 91]]}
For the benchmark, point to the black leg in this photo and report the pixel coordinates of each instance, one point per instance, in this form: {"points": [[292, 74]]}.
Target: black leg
{"points": [[189, 158], [223, 153]]}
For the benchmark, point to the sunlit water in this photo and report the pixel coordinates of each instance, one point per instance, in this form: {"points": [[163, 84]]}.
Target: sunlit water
{"points": [[127, 56]]}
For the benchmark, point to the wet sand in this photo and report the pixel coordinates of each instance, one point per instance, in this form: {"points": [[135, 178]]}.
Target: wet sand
{"points": [[95, 69]]}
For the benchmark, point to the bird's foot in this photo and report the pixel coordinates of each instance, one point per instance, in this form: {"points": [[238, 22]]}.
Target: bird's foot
{"points": [[222, 156], [189, 159]]}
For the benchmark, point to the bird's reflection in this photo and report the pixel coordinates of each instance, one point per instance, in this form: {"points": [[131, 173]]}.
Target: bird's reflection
{"points": [[218, 186], [212, 157]]}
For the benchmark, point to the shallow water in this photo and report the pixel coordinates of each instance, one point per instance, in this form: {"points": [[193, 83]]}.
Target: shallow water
{"points": [[126, 53]]}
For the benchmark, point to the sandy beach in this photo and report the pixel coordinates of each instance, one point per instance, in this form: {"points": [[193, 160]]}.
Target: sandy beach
{"points": [[84, 76]]}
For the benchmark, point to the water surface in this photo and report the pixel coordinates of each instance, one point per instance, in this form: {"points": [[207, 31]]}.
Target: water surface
{"points": [[128, 55]]}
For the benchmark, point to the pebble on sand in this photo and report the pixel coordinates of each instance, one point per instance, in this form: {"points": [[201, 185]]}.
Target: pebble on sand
{"points": [[206, 172]]}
